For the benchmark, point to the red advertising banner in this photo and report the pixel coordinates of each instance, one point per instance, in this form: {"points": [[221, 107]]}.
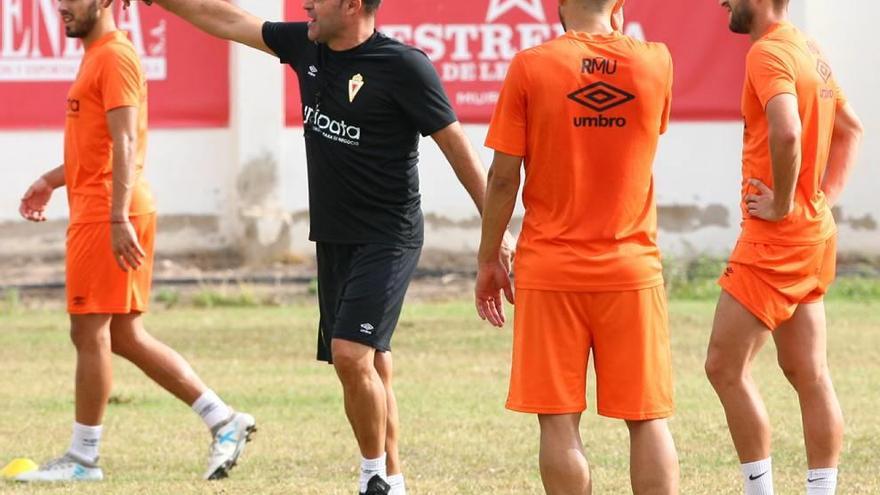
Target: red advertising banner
{"points": [[471, 43], [188, 71]]}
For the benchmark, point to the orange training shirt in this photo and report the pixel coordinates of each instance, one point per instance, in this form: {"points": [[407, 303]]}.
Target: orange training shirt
{"points": [[586, 112], [109, 77], [783, 61]]}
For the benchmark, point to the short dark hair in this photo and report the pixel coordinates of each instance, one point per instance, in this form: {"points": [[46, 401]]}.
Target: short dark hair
{"points": [[371, 5]]}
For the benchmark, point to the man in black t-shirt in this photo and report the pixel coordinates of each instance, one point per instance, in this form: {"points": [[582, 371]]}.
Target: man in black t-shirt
{"points": [[365, 99]]}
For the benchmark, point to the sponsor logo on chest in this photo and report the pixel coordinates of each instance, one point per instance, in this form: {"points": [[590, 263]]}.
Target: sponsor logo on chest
{"points": [[331, 128]]}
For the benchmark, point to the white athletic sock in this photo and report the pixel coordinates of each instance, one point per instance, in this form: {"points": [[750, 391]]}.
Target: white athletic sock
{"points": [[85, 442], [370, 468], [211, 408], [398, 487], [758, 477], [822, 481]]}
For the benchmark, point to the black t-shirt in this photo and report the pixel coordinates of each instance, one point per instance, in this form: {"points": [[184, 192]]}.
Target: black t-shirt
{"points": [[363, 110]]}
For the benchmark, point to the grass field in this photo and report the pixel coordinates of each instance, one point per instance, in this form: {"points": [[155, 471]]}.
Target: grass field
{"points": [[451, 382]]}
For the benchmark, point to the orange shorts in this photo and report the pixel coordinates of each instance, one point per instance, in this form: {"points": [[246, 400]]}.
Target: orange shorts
{"points": [[628, 334], [95, 283], [771, 280]]}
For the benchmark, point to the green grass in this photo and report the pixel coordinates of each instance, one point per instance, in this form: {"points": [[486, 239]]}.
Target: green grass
{"points": [[451, 372]]}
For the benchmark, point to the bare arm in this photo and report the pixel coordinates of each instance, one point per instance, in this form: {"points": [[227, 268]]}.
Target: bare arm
{"points": [[785, 153], [464, 161], [844, 151], [218, 18], [36, 198], [122, 124], [55, 177], [470, 172], [492, 276], [503, 186]]}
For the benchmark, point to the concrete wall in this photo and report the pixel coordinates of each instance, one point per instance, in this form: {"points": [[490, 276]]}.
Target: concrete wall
{"points": [[252, 176]]}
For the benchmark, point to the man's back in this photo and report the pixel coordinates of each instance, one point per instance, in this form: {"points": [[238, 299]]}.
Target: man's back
{"points": [[784, 60], [587, 111]]}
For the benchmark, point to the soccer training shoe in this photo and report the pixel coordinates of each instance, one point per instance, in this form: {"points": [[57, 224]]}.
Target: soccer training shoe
{"points": [[377, 486], [228, 444], [65, 468]]}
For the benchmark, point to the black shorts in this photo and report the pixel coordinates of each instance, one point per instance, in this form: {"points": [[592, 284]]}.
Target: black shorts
{"points": [[361, 288]]}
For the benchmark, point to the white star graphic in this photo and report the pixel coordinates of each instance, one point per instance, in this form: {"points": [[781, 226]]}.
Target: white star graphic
{"points": [[534, 8]]}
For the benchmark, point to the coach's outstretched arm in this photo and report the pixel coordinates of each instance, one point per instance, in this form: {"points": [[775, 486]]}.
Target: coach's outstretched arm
{"points": [[217, 18]]}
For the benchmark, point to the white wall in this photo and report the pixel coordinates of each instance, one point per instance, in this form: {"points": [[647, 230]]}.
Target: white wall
{"points": [[193, 172], [847, 32], [187, 169]]}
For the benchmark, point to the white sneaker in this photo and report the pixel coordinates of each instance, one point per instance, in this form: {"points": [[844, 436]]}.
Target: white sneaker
{"points": [[65, 468], [228, 444]]}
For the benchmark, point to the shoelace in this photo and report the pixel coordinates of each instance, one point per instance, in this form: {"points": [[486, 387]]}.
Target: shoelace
{"points": [[56, 464]]}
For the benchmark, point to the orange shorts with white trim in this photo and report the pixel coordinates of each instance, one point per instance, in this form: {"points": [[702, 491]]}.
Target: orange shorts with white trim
{"points": [[628, 334], [771, 280], [95, 282]]}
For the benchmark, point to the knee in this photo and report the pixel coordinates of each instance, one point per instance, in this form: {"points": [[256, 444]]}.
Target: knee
{"points": [[721, 374], [803, 375], [561, 429], [88, 339], [383, 368], [351, 364], [124, 345]]}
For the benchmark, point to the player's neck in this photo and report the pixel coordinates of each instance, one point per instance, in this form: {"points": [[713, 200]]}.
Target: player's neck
{"points": [[763, 24], [103, 27], [355, 36], [590, 24]]}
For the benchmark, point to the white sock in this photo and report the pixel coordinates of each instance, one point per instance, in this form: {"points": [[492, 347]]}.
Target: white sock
{"points": [[758, 477], [822, 481], [211, 408], [398, 487], [370, 468], [85, 442]]}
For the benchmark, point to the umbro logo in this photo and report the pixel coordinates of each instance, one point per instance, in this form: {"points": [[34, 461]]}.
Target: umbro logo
{"points": [[79, 301], [313, 71], [824, 70], [601, 96], [367, 328]]}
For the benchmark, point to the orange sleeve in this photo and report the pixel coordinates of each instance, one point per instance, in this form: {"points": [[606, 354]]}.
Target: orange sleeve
{"points": [[771, 72], [667, 108], [508, 129], [120, 79]]}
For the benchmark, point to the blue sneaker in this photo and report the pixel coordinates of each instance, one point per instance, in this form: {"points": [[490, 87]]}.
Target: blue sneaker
{"points": [[65, 468]]}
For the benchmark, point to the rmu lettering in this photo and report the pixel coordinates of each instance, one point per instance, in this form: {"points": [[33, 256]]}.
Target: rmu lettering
{"points": [[600, 65], [600, 121], [33, 29], [468, 42]]}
